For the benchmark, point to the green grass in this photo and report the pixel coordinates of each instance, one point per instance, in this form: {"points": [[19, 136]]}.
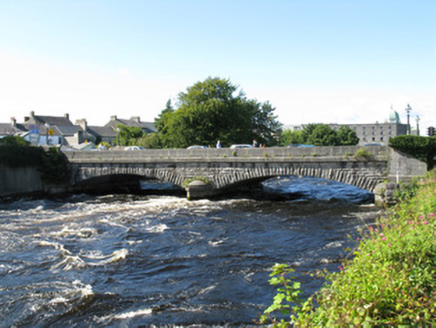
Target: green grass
{"points": [[391, 280]]}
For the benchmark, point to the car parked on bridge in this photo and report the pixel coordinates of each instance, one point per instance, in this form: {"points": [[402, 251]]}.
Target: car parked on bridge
{"points": [[241, 146], [197, 147], [134, 148], [372, 144], [299, 146]]}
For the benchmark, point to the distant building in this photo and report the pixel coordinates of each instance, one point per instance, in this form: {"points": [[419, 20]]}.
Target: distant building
{"points": [[378, 133], [97, 134], [52, 130], [59, 130], [44, 130], [135, 121], [12, 129]]}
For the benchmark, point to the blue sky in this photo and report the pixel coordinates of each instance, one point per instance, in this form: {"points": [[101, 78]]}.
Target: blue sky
{"points": [[315, 61]]}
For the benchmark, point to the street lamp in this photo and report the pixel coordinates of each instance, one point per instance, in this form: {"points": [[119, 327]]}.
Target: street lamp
{"points": [[408, 109], [47, 126], [118, 135], [417, 125]]}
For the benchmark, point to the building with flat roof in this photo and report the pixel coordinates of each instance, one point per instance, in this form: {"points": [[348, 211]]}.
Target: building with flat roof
{"points": [[378, 133], [372, 133]]}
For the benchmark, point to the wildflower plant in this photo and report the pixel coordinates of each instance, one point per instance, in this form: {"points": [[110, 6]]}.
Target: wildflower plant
{"points": [[390, 281]]}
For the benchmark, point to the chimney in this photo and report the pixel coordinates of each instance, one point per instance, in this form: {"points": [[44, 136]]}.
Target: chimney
{"points": [[67, 116], [82, 123], [13, 122], [32, 114], [135, 119], [113, 118]]}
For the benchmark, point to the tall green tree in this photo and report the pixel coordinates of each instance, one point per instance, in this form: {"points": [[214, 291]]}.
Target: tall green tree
{"points": [[291, 137], [159, 121], [128, 135], [215, 110], [323, 135], [347, 136], [307, 131]]}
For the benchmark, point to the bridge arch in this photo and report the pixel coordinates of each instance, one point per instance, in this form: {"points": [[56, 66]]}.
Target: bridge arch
{"points": [[225, 168], [223, 177]]}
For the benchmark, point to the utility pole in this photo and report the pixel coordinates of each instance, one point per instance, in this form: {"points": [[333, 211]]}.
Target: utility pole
{"points": [[408, 109]]}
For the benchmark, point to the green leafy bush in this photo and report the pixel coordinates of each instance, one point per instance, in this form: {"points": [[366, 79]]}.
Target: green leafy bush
{"points": [[422, 148], [13, 140], [52, 163], [390, 282], [362, 153], [16, 155]]}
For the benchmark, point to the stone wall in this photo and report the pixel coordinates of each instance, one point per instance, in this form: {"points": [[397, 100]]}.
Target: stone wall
{"points": [[403, 167], [21, 180]]}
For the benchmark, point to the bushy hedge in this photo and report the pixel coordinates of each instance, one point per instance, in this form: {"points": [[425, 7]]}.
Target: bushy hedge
{"points": [[390, 282], [19, 155], [52, 163], [423, 148]]}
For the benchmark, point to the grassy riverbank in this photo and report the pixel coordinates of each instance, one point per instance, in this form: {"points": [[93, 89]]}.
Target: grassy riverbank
{"points": [[391, 280]]}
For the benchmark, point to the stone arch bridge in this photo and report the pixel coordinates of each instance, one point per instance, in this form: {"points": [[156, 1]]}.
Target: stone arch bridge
{"points": [[208, 172]]}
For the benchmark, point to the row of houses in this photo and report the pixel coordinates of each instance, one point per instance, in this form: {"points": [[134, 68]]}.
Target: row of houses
{"points": [[59, 130]]}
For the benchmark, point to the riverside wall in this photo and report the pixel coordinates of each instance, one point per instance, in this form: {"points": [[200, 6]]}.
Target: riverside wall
{"points": [[26, 181], [20, 180]]}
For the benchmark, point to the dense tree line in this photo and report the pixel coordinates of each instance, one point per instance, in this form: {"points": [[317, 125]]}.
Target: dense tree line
{"points": [[209, 111], [214, 110], [320, 135]]}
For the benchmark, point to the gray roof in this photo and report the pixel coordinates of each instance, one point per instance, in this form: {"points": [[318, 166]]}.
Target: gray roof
{"points": [[102, 131], [7, 129], [68, 130], [52, 120], [147, 126]]}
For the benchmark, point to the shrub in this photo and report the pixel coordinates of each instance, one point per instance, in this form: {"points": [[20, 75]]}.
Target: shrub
{"points": [[52, 164], [362, 153], [422, 148], [13, 140], [389, 282]]}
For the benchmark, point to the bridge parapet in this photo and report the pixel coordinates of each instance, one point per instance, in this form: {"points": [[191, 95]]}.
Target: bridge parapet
{"points": [[228, 168], [222, 154]]}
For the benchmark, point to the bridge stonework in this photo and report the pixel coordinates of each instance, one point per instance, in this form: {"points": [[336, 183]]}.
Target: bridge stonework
{"points": [[225, 169]]}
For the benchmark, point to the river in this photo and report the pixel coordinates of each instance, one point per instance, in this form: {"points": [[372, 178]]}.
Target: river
{"points": [[140, 260]]}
